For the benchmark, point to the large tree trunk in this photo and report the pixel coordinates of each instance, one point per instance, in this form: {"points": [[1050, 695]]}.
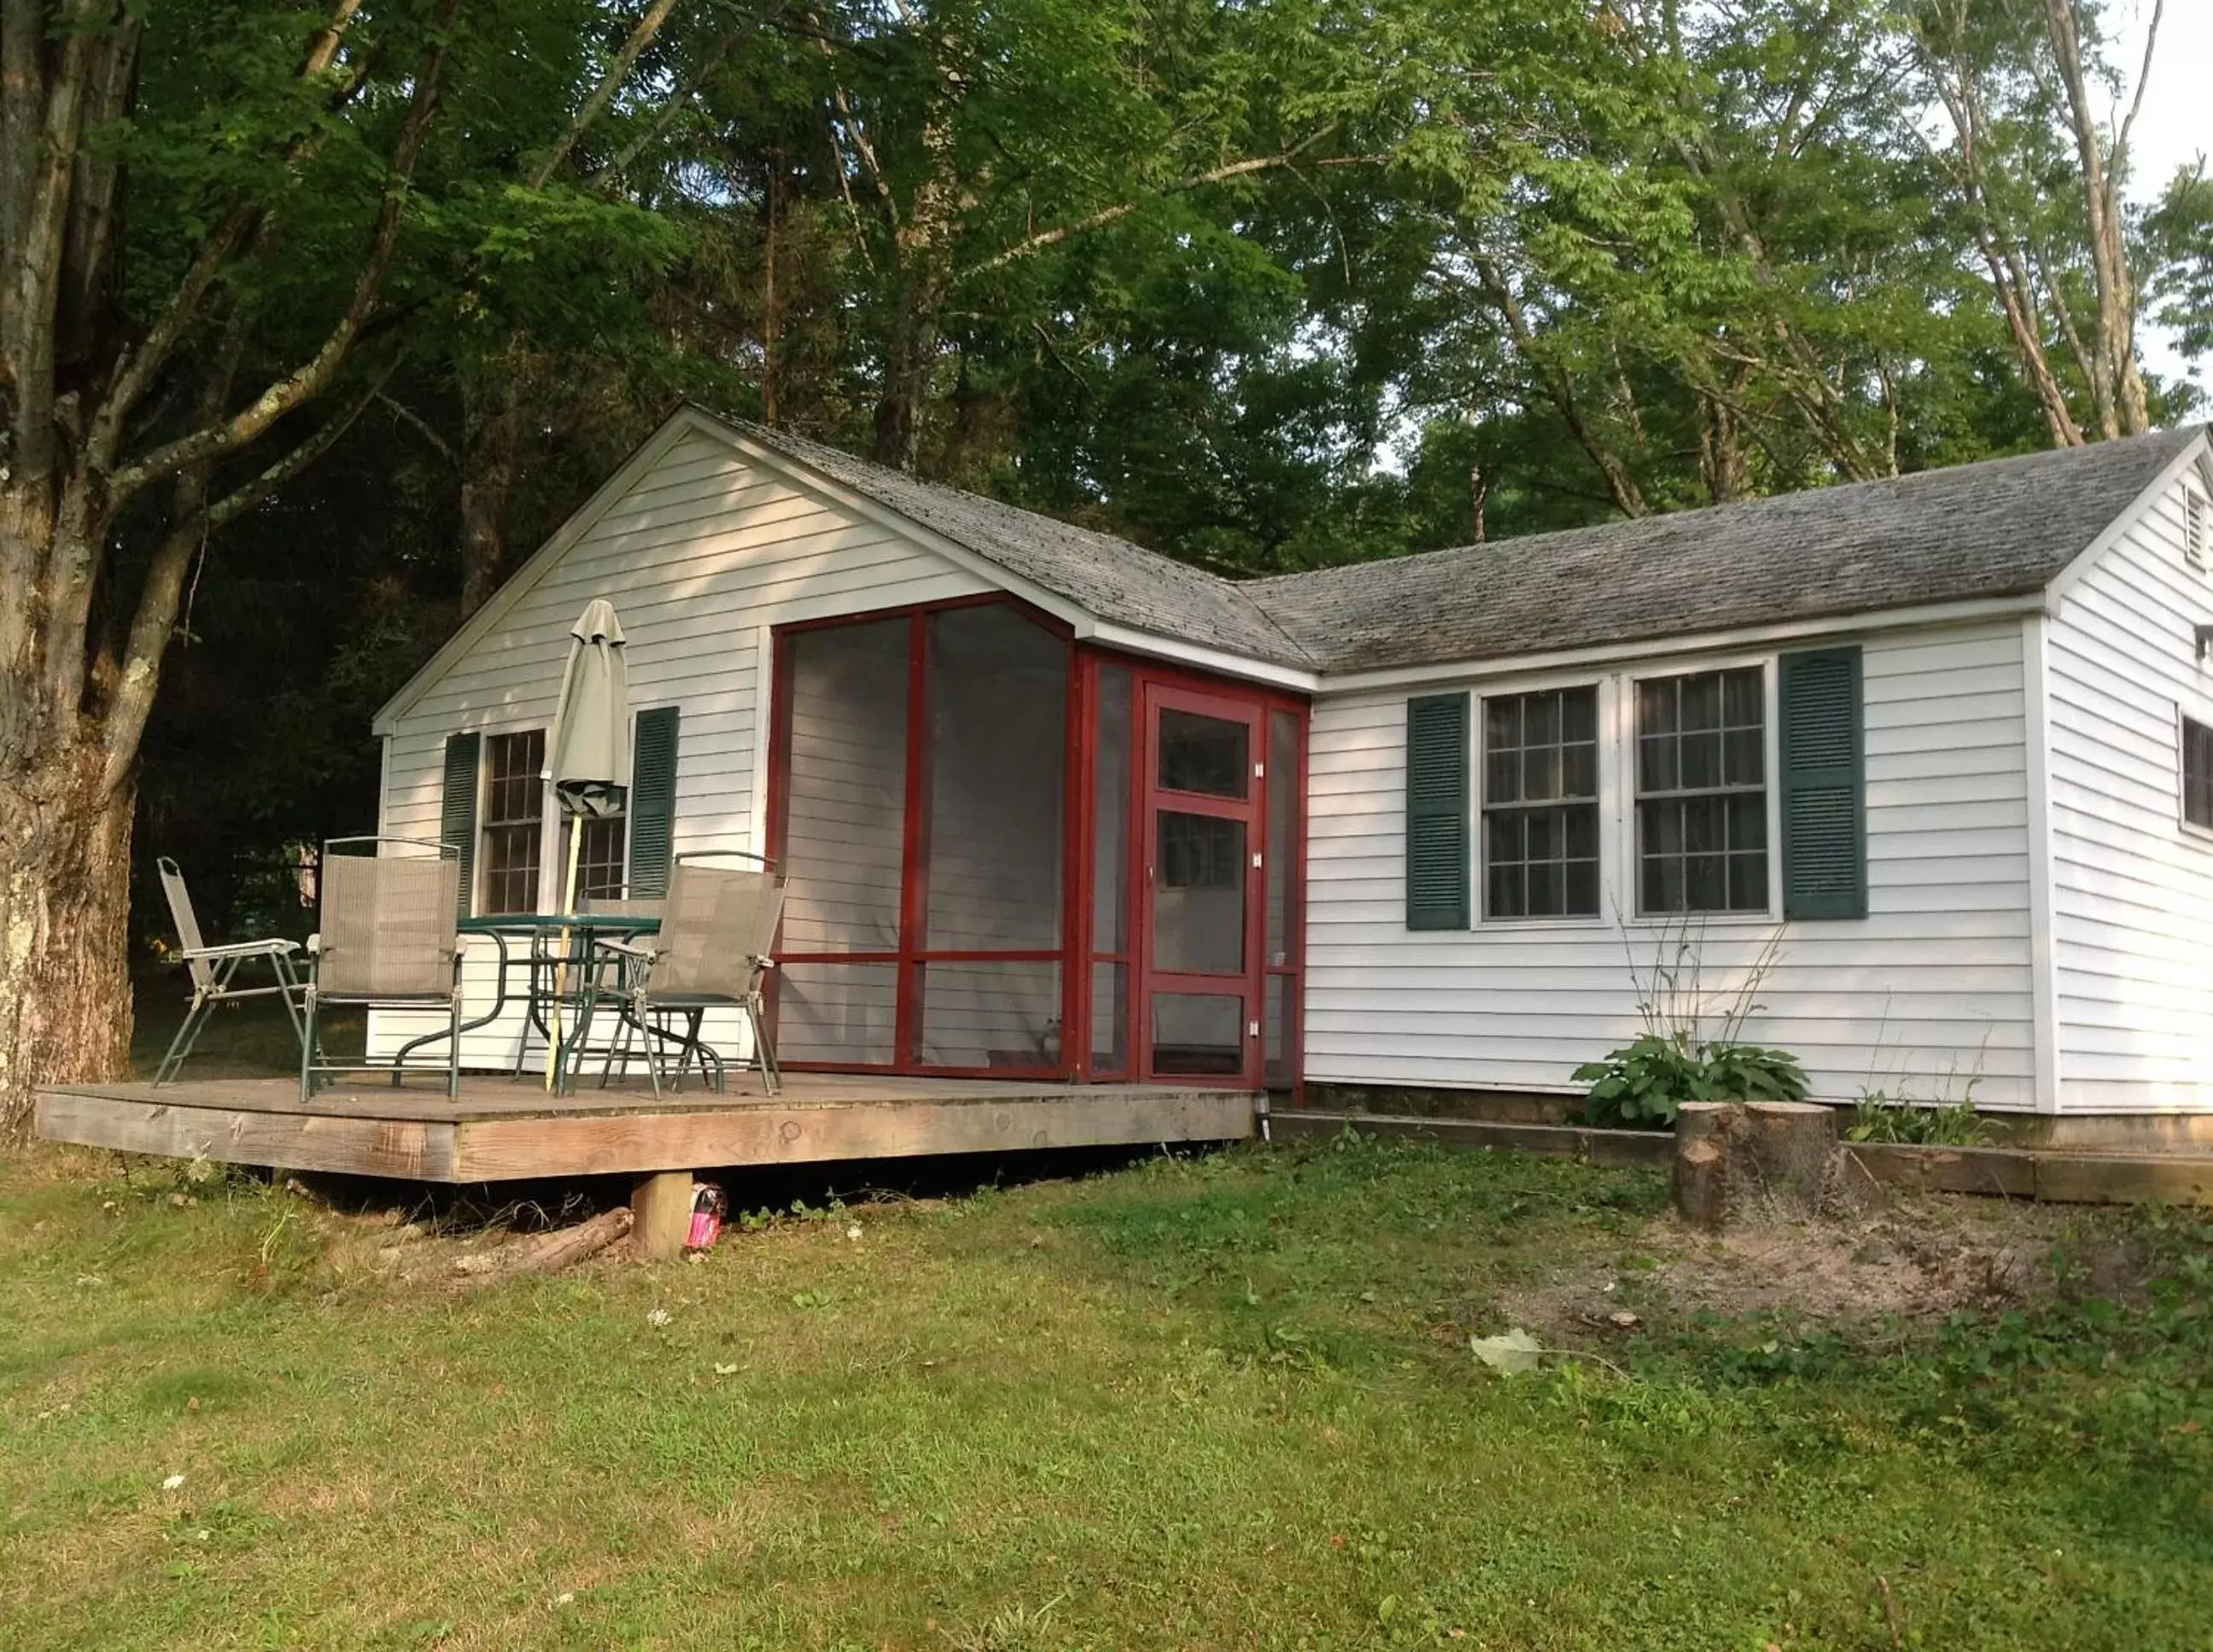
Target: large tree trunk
{"points": [[492, 435], [64, 911]]}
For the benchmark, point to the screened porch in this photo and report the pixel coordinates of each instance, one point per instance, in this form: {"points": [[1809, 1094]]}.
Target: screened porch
{"points": [[1012, 854]]}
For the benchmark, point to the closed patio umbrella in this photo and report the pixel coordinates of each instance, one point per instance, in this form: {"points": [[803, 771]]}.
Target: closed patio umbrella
{"points": [[588, 757]]}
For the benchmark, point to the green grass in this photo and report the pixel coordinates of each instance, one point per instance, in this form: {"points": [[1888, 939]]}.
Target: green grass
{"points": [[1195, 1403]]}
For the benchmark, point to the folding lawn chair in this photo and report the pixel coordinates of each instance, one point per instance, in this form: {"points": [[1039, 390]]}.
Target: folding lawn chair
{"points": [[389, 941], [712, 952], [213, 968]]}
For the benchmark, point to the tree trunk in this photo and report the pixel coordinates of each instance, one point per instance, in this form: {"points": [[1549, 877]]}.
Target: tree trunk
{"points": [[65, 914], [1750, 1161], [492, 435]]}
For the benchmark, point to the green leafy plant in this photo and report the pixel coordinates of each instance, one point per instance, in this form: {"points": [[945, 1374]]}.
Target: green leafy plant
{"points": [[1646, 1083], [1691, 1048], [1907, 1119]]}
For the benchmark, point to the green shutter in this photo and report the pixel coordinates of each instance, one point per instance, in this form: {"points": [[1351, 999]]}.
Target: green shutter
{"points": [[1824, 785], [457, 807], [652, 801], [1436, 812]]}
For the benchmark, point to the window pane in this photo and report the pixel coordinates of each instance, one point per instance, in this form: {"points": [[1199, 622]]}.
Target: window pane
{"points": [[513, 816], [599, 860], [991, 1015], [1199, 893], [1655, 763], [1197, 1033], [842, 1013], [1532, 830], [1275, 1032], [1283, 833], [995, 740], [2197, 773], [1110, 825], [845, 803], [1200, 754], [1110, 1019], [1702, 813]]}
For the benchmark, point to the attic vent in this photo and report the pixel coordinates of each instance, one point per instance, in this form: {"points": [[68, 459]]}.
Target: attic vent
{"points": [[2197, 531]]}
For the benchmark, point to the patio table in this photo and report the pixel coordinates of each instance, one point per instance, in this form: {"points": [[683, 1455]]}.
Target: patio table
{"points": [[541, 961]]}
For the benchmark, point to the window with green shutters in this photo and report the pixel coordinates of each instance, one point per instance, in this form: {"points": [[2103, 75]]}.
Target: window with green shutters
{"points": [[652, 801], [457, 807], [1824, 765], [1437, 759]]}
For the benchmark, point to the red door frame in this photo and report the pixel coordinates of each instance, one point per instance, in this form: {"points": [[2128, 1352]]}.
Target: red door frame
{"points": [[1151, 682], [1155, 799]]}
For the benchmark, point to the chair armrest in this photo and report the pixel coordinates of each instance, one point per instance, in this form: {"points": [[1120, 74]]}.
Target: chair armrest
{"points": [[315, 943], [243, 949], [630, 949]]}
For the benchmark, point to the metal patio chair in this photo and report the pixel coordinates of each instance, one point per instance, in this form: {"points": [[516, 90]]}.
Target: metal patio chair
{"points": [[212, 970], [712, 952], [389, 941]]}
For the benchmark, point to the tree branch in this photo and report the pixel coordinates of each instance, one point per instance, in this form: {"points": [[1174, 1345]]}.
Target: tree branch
{"points": [[281, 397], [618, 71], [139, 366], [155, 620], [1030, 245]]}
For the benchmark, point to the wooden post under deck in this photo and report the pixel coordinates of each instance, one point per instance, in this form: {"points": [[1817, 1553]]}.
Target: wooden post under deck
{"points": [[661, 1205]]}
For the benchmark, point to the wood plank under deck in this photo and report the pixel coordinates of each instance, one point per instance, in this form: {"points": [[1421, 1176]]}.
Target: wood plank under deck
{"points": [[502, 1130]]}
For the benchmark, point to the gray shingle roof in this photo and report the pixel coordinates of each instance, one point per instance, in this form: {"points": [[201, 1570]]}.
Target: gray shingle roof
{"points": [[2002, 527], [1109, 578]]}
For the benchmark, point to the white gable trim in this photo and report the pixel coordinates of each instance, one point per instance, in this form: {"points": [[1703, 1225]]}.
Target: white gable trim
{"points": [[2193, 454]]}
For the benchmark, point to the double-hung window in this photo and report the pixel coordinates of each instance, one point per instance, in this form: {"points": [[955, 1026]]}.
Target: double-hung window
{"points": [[1702, 792], [2197, 773], [600, 857], [512, 827], [1540, 804]]}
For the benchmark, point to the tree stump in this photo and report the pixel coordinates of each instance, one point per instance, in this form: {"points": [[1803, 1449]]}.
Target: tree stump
{"points": [[1739, 1162]]}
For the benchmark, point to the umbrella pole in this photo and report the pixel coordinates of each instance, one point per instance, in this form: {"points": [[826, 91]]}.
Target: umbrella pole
{"points": [[561, 963]]}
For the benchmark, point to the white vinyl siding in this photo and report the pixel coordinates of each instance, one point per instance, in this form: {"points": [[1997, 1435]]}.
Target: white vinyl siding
{"points": [[703, 554], [1932, 988], [2132, 885]]}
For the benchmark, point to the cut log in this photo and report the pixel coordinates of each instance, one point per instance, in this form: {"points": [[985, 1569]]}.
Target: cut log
{"points": [[548, 1253], [1745, 1161]]}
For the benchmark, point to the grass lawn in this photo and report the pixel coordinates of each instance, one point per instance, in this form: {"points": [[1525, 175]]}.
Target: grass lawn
{"points": [[1199, 1402]]}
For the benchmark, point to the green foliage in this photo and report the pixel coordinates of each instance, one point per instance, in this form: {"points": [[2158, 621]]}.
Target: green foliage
{"points": [[1882, 1116], [1644, 1084], [1063, 1413]]}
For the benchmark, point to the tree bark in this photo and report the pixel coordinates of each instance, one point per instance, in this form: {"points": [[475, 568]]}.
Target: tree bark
{"points": [[2116, 388], [1748, 1161], [64, 911], [491, 438]]}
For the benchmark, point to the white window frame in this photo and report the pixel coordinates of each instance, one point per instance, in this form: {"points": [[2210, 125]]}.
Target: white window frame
{"points": [[1609, 776], [549, 824], [1627, 870]]}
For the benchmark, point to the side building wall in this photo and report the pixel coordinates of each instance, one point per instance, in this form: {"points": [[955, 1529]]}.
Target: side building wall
{"points": [[2133, 882], [1930, 995]]}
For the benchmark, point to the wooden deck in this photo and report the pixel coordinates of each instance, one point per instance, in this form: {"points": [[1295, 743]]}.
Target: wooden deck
{"points": [[502, 1129]]}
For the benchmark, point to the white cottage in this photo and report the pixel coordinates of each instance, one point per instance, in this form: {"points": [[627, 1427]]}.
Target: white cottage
{"points": [[1940, 748]]}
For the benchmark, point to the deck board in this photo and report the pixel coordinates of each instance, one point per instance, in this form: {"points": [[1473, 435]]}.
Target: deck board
{"points": [[500, 1129]]}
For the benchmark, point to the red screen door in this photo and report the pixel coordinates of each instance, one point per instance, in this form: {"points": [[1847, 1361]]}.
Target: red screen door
{"points": [[1199, 980]]}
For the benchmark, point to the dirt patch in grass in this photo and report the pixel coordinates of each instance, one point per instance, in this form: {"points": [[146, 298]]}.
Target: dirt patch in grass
{"points": [[1920, 1260]]}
